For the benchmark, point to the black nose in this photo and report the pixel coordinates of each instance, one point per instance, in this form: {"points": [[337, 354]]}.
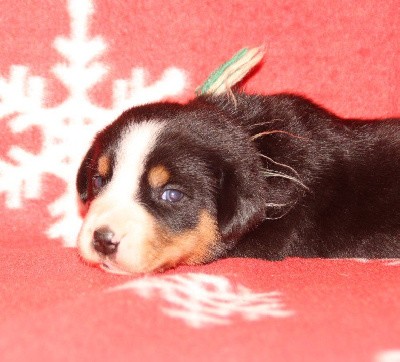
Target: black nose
{"points": [[103, 241]]}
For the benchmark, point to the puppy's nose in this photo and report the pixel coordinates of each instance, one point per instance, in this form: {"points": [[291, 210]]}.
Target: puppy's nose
{"points": [[103, 241]]}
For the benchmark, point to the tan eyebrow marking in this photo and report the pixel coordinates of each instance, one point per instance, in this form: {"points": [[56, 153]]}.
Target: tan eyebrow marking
{"points": [[103, 165], [158, 176]]}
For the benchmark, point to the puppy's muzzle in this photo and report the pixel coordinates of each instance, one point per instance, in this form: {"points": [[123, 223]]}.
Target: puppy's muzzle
{"points": [[103, 241]]}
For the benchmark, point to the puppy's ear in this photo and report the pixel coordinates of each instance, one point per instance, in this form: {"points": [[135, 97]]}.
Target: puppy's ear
{"points": [[241, 201], [84, 175]]}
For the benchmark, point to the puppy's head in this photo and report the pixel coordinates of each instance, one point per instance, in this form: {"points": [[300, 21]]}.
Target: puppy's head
{"points": [[167, 184]]}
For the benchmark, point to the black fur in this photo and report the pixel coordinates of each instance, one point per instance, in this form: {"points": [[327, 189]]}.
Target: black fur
{"points": [[281, 175]]}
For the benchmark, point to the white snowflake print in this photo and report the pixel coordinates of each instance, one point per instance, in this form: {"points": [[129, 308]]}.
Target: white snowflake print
{"points": [[388, 356], [205, 300], [22, 106]]}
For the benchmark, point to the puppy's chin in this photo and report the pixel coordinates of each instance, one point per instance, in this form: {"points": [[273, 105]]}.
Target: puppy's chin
{"points": [[110, 267], [121, 268]]}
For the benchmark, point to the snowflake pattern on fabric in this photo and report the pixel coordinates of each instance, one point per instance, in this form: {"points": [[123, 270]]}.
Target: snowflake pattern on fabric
{"points": [[22, 106], [205, 300], [388, 356]]}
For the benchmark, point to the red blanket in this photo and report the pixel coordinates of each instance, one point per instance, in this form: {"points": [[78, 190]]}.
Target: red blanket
{"points": [[67, 69]]}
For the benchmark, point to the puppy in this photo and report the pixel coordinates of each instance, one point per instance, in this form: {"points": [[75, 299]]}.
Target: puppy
{"points": [[257, 176]]}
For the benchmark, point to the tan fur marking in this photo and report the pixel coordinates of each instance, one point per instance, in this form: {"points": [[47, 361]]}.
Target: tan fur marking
{"points": [[203, 239], [195, 246], [103, 165], [158, 176]]}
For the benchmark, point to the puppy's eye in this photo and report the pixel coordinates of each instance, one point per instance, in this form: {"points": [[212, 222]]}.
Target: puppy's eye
{"points": [[98, 182], [172, 195]]}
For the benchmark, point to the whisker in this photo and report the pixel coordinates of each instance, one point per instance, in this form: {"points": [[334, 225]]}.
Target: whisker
{"points": [[280, 164], [282, 175], [280, 216], [271, 204], [264, 123], [267, 133]]}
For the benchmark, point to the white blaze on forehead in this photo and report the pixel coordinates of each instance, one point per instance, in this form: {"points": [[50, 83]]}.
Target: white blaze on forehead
{"points": [[136, 144], [116, 207]]}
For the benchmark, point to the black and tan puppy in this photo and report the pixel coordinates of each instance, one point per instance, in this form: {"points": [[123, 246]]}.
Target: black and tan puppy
{"points": [[261, 176]]}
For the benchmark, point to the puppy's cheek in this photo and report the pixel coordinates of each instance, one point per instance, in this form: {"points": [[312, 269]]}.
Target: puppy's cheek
{"points": [[201, 244], [133, 255], [161, 249]]}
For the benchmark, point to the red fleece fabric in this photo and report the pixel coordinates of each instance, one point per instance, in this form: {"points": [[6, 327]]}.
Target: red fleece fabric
{"points": [[67, 69]]}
